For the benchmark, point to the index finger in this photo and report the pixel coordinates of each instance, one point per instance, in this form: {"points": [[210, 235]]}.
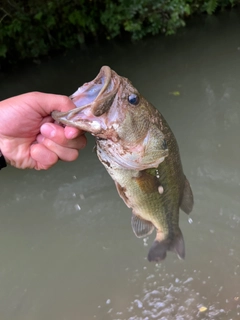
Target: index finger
{"points": [[72, 133]]}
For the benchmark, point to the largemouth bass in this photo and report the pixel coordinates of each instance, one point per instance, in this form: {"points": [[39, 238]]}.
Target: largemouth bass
{"points": [[137, 147]]}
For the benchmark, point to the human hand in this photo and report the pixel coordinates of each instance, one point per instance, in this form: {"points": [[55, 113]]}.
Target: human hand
{"points": [[28, 136]]}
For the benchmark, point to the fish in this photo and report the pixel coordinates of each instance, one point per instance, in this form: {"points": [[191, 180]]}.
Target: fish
{"points": [[140, 152]]}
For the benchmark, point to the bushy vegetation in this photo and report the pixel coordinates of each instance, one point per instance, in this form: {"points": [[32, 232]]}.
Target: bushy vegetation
{"points": [[33, 28]]}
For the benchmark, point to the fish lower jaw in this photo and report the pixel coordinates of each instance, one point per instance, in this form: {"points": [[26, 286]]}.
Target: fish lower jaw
{"points": [[94, 126]]}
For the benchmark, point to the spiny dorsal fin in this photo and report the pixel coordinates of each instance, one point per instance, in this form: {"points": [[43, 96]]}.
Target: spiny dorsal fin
{"points": [[141, 227]]}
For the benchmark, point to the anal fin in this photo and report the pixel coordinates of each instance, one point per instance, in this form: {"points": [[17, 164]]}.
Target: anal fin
{"points": [[141, 227]]}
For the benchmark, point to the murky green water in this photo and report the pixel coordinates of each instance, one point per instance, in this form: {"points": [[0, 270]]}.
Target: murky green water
{"points": [[67, 251]]}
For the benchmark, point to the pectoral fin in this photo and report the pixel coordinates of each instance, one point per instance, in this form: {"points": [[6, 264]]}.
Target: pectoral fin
{"points": [[141, 227], [187, 198]]}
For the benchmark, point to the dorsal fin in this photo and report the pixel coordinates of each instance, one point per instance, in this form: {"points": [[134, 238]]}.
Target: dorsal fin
{"points": [[187, 198]]}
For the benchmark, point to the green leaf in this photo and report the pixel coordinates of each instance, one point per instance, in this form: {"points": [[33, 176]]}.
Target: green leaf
{"points": [[51, 21], [38, 16], [187, 9], [211, 6], [3, 50]]}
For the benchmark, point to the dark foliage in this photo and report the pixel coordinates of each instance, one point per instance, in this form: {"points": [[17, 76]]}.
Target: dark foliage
{"points": [[33, 28]]}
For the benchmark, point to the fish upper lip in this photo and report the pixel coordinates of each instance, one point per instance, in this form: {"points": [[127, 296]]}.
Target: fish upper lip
{"points": [[88, 107], [105, 73]]}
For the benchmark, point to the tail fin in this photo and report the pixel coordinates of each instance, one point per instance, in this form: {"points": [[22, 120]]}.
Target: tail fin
{"points": [[159, 248]]}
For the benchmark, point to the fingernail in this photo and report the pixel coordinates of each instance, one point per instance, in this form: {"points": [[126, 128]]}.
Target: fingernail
{"points": [[40, 138], [71, 133], [48, 130]]}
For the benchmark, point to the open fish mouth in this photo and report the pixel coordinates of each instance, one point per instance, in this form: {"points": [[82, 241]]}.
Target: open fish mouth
{"points": [[92, 91], [92, 100]]}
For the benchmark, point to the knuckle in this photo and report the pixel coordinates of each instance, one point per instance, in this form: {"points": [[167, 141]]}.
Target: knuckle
{"points": [[65, 100], [59, 136], [48, 143]]}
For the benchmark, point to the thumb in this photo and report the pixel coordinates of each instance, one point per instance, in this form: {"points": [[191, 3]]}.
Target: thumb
{"points": [[48, 102]]}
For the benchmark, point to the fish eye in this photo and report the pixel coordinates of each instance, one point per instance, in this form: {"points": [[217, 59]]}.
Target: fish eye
{"points": [[133, 99], [164, 144]]}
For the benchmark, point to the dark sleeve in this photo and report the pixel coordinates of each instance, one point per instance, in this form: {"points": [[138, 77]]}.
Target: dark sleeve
{"points": [[3, 163]]}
